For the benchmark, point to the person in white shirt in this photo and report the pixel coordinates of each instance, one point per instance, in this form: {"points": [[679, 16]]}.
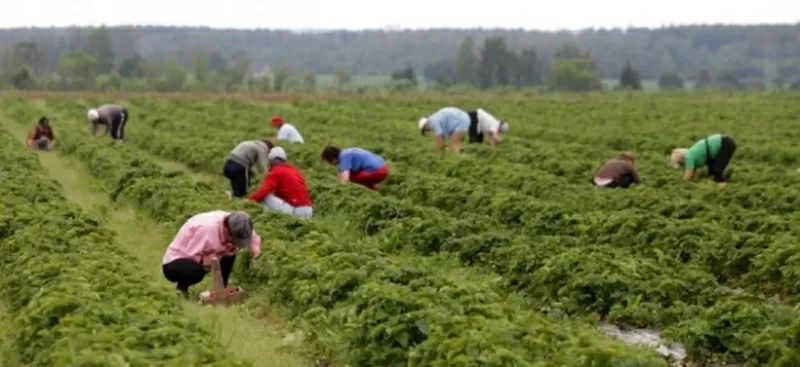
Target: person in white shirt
{"points": [[482, 122], [286, 131]]}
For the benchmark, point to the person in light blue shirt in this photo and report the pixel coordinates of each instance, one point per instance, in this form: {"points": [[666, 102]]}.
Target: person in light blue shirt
{"points": [[448, 123], [357, 165]]}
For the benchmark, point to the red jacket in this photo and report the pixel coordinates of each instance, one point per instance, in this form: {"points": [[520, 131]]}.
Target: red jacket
{"points": [[287, 183]]}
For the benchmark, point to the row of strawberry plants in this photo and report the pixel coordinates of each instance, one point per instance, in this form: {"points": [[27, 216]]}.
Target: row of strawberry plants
{"points": [[411, 298], [762, 191], [74, 295], [642, 293], [573, 155]]}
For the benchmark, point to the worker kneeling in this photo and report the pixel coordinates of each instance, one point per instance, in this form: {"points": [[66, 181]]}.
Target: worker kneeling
{"points": [[284, 188], [203, 238], [618, 172]]}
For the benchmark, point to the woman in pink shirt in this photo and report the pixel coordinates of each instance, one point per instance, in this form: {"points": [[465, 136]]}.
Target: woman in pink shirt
{"points": [[205, 236]]}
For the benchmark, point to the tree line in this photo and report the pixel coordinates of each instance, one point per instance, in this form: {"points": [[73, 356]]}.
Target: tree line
{"points": [[202, 59]]}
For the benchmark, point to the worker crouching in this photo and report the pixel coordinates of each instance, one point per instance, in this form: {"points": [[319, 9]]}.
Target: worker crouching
{"points": [[619, 172], [284, 188]]}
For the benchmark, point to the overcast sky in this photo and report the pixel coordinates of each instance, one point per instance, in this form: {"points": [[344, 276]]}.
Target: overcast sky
{"points": [[360, 14]]}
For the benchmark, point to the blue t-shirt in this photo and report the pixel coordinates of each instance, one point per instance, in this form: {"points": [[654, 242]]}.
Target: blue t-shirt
{"points": [[449, 120], [357, 160]]}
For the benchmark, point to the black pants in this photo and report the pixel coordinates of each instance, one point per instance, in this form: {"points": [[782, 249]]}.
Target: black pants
{"points": [[118, 125], [623, 182], [187, 272], [717, 166], [239, 176], [474, 135]]}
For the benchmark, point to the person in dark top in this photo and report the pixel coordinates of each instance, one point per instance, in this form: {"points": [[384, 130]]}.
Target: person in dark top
{"points": [[41, 136], [617, 172]]}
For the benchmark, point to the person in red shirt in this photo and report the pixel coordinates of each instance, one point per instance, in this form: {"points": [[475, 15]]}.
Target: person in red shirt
{"points": [[284, 188], [41, 136]]}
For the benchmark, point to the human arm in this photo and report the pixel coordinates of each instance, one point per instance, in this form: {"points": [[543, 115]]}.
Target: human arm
{"points": [[255, 246], [494, 138], [688, 175], [345, 167], [263, 161], [439, 143], [268, 187], [455, 145], [31, 137]]}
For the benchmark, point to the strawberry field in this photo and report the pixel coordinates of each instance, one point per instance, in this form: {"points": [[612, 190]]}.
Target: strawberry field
{"points": [[503, 256]]}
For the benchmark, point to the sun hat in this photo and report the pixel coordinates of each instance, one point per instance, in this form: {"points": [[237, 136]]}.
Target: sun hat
{"points": [[503, 127], [93, 114], [677, 157], [240, 225]]}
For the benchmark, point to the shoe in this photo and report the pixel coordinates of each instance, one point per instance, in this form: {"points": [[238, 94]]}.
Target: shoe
{"points": [[182, 293]]}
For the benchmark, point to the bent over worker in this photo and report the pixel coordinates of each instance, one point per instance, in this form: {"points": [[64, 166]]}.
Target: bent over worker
{"points": [[357, 165], [204, 237], [41, 136], [448, 123], [482, 122], [618, 172], [286, 131], [113, 117], [284, 188], [246, 155], [715, 152]]}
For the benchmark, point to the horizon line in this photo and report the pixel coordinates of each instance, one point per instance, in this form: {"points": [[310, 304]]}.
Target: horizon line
{"points": [[398, 28]]}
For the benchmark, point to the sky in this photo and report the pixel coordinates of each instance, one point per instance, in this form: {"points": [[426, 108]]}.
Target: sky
{"points": [[362, 14]]}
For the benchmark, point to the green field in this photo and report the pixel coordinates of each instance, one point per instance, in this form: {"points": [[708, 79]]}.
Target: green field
{"points": [[503, 256]]}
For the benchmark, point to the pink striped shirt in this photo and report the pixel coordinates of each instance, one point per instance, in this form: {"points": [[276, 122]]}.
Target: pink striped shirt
{"points": [[202, 236]]}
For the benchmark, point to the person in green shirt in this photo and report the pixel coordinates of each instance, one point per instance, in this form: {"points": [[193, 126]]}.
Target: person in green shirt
{"points": [[715, 152]]}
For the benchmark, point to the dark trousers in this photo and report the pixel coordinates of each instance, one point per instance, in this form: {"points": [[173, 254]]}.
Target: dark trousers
{"points": [[717, 166], [474, 135], [187, 272], [623, 182], [239, 176], [118, 125]]}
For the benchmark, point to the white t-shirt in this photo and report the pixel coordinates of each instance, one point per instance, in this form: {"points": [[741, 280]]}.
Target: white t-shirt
{"points": [[290, 133], [486, 122]]}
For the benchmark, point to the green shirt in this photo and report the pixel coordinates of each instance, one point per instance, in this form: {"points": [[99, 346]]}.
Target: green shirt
{"points": [[696, 155]]}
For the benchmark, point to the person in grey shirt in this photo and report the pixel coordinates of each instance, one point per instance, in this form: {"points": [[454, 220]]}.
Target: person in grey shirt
{"points": [[114, 117], [246, 155]]}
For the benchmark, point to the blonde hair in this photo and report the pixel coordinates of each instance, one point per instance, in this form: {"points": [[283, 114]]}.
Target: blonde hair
{"points": [[677, 157]]}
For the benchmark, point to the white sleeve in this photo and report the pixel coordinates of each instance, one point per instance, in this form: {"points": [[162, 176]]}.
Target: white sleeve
{"points": [[487, 122], [284, 133], [290, 133]]}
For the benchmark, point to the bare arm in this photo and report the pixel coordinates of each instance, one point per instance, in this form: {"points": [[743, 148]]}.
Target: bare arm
{"points": [[439, 144], [344, 177], [688, 175], [494, 138]]}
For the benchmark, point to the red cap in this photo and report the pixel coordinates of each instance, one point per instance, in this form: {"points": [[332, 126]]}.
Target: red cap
{"points": [[277, 121]]}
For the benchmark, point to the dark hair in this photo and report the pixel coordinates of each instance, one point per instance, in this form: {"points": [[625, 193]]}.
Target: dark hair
{"points": [[44, 121], [269, 143], [330, 153]]}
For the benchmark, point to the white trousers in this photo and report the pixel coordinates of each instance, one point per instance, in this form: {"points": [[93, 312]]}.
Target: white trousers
{"points": [[275, 203]]}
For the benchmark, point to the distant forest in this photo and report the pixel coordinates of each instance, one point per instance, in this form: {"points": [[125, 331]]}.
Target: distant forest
{"points": [[766, 51]]}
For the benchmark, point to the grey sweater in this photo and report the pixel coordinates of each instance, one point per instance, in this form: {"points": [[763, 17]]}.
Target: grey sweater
{"points": [[251, 153]]}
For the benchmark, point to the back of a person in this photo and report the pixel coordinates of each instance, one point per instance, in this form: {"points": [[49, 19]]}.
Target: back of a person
{"points": [[289, 133], [107, 110], [614, 169], [291, 186], [486, 122], [697, 155], [362, 160], [39, 132], [248, 150]]}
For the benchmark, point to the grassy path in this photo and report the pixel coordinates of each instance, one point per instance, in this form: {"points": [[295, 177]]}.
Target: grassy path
{"points": [[246, 335]]}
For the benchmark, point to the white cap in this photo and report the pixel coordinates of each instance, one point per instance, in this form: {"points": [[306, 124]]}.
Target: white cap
{"points": [[93, 114], [277, 153], [422, 122], [503, 127]]}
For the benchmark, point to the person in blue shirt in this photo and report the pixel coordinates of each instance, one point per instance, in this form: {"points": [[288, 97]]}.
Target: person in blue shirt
{"points": [[357, 165], [449, 122]]}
